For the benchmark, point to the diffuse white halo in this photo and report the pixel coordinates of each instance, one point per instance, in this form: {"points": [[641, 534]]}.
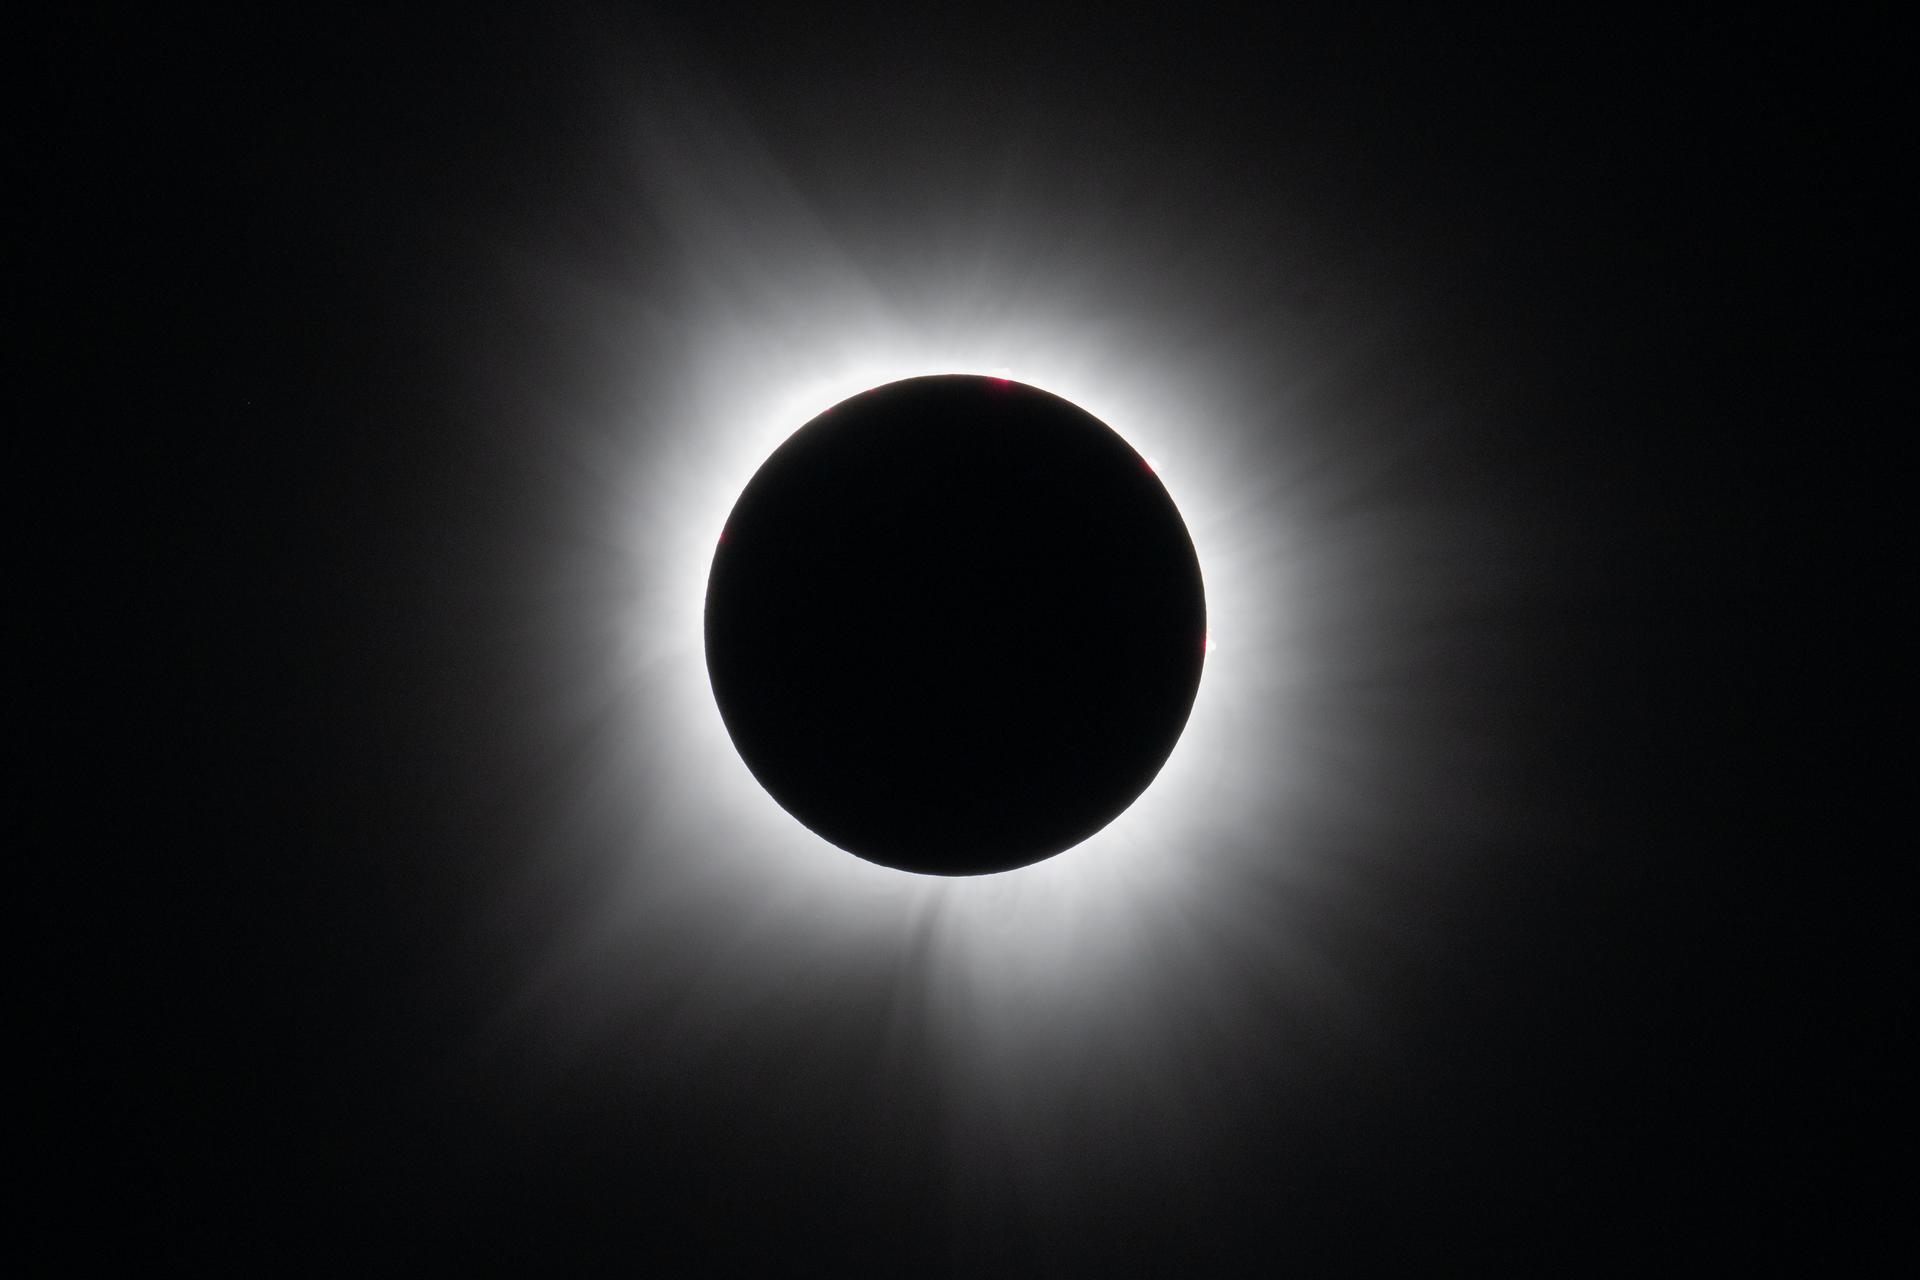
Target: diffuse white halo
{"points": [[720, 905]]}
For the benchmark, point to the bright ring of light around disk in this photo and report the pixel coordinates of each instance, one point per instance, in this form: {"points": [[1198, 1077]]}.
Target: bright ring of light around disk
{"points": [[710, 844]]}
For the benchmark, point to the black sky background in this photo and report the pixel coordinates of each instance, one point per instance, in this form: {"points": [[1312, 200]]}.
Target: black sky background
{"points": [[1659, 258]]}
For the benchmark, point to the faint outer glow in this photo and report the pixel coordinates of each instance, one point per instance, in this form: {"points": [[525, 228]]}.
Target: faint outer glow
{"points": [[1027, 985]]}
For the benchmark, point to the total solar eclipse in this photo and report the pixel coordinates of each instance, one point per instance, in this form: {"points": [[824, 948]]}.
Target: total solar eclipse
{"points": [[955, 625]]}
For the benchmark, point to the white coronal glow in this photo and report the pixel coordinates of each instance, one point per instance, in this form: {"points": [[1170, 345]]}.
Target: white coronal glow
{"points": [[1030, 931], [1091, 979], [1022, 983]]}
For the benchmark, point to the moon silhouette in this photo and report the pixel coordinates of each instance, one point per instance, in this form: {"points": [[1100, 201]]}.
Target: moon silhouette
{"points": [[955, 625]]}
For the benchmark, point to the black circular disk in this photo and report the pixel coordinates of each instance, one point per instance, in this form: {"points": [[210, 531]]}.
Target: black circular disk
{"points": [[955, 625]]}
